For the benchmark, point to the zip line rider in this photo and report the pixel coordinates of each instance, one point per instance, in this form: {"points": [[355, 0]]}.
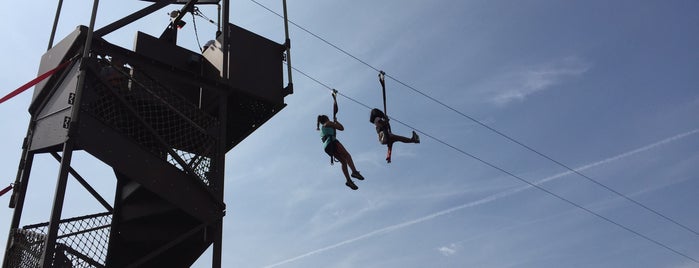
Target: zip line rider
{"points": [[383, 127], [333, 147]]}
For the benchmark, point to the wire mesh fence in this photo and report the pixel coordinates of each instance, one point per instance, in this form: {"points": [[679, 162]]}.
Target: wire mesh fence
{"points": [[82, 242], [157, 118], [25, 249]]}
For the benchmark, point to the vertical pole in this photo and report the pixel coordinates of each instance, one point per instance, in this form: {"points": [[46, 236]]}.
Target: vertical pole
{"points": [[55, 23], [287, 44], [218, 22], [226, 39], [24, 166], [18, 194], [68, 146], [222, 145], [218, 244], [114, 237]]}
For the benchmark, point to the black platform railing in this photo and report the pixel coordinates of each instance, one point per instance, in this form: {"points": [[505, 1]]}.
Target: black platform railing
{"points": [[82, 242], [157, 118]]}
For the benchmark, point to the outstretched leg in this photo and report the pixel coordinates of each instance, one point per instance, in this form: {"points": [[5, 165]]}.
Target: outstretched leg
{"points": [[394, 138], [414, 139]]}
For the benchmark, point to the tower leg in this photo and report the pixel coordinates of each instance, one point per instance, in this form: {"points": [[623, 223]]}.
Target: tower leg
{"points": [[59, 197], [218, 244], [18, 195]]}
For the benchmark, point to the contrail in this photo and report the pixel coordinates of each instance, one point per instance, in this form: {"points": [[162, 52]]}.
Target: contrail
{"points": [[489, 198]]}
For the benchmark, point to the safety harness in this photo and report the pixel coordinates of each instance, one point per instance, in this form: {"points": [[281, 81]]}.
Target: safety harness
{"points": [[382, 80], [386, 129]]}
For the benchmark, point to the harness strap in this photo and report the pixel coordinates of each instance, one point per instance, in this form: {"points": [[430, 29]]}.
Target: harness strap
{"points": [[325, 138], [382, 74], [335, 108], [382, 80]]}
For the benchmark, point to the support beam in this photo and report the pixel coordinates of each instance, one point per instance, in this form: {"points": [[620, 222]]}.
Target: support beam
{"points": [[223, 112], [287, 44], [18, 194], [84, 183], [55, 23], [131, 18], [68, 147]]}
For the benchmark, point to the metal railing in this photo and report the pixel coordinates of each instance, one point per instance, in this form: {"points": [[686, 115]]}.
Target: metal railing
{"points": [[155, 117], [82, 243]]}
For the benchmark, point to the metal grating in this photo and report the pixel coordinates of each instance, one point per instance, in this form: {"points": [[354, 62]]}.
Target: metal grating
{"points": [[25, 249], [82, 243]]}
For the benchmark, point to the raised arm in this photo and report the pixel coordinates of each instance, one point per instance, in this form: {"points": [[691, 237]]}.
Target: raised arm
{"points": [[336, 125]]}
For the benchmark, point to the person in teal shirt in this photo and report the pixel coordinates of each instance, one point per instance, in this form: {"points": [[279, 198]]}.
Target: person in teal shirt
{"points": [[335, 149]]}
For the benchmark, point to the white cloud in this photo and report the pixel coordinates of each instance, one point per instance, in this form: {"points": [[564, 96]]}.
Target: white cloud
{"points": [[518, 84], [449, 250]]}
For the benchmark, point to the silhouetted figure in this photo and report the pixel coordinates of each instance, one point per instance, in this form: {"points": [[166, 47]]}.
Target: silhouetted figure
{"points": [[386, 137], [335, 149]]}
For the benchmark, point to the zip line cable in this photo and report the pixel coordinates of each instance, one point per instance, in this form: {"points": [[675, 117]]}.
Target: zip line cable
{"points": [[492, 129], [316, 36], [509, 173], [196, 32], [197, 13]]}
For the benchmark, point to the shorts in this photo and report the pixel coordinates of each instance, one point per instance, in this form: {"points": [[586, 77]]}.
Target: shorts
{"points": [[331, 149]]}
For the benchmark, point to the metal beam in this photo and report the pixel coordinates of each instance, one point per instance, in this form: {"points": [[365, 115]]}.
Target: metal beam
{"points": [[287, 44], [68, 147], [186, 8], [223, 112], [84, 183], [55, 23], [131, 18], [18, 194]]}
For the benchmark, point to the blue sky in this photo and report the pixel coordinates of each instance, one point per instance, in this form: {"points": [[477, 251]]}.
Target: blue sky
{"points": [[607, 87]]}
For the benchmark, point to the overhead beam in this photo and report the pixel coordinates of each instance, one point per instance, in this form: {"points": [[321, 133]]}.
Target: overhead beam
{"points": [[131, 18]]}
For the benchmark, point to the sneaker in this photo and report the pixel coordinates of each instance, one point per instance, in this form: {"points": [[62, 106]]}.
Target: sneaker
{"points": [[351, 185], [416, 138], [358, 176]]}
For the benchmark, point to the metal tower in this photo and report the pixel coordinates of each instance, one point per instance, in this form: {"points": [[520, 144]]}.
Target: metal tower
{"points": [[162, 117]]}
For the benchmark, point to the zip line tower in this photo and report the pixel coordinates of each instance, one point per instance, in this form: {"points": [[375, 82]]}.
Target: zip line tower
{"points": [[162, 117]]}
